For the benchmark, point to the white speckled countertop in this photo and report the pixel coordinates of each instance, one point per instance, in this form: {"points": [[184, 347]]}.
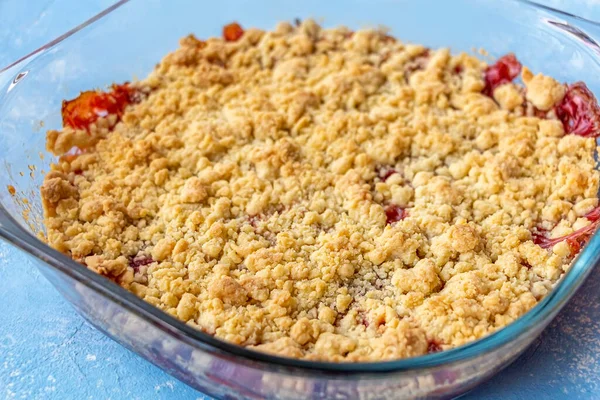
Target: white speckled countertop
{"points": [[48, 352]]}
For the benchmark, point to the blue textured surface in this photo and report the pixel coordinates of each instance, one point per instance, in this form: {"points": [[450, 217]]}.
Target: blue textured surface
{"points": [[48, 351]]}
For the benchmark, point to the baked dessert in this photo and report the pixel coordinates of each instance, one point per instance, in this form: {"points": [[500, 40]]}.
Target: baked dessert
{"points": [[327, 194]]}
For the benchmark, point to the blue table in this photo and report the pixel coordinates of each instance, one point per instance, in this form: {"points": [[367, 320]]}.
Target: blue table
{"points": [[48, 351]]}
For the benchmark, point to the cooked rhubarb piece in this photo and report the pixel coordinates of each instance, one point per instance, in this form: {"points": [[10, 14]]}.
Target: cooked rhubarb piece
{"points": [[232, 32], [577, 239], [503, 71], [579, 111], [385, 172], [417, 64], [593, 215], [85, 109], [394, 213], [140, 261], [433, 346]]}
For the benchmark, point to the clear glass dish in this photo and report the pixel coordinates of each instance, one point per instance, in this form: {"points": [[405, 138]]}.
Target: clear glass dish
{"points": [[126, 41]]}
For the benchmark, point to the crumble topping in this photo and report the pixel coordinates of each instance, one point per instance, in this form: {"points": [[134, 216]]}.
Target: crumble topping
{"points": [[327, 194]]}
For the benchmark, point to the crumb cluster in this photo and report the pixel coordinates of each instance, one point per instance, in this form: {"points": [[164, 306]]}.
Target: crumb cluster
{"points": [[326, 194]]}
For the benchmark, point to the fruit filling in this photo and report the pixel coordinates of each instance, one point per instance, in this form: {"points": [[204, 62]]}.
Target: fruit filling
{"points": [[503, 71], [85, 109], [579, 111]]}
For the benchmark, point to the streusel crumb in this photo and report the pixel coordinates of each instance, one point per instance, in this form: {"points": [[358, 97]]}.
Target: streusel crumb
{"points": [[327, 194]]}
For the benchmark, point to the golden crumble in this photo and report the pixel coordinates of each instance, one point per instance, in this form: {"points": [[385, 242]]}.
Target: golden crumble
{"points": [[326, 194]]}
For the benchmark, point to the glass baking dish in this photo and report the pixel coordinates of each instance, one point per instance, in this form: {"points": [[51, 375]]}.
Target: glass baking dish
{"points": [[126, 40]]}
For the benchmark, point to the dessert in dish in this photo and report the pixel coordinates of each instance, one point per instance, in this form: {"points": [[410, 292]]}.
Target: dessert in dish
{"points": [[328, 194]]}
